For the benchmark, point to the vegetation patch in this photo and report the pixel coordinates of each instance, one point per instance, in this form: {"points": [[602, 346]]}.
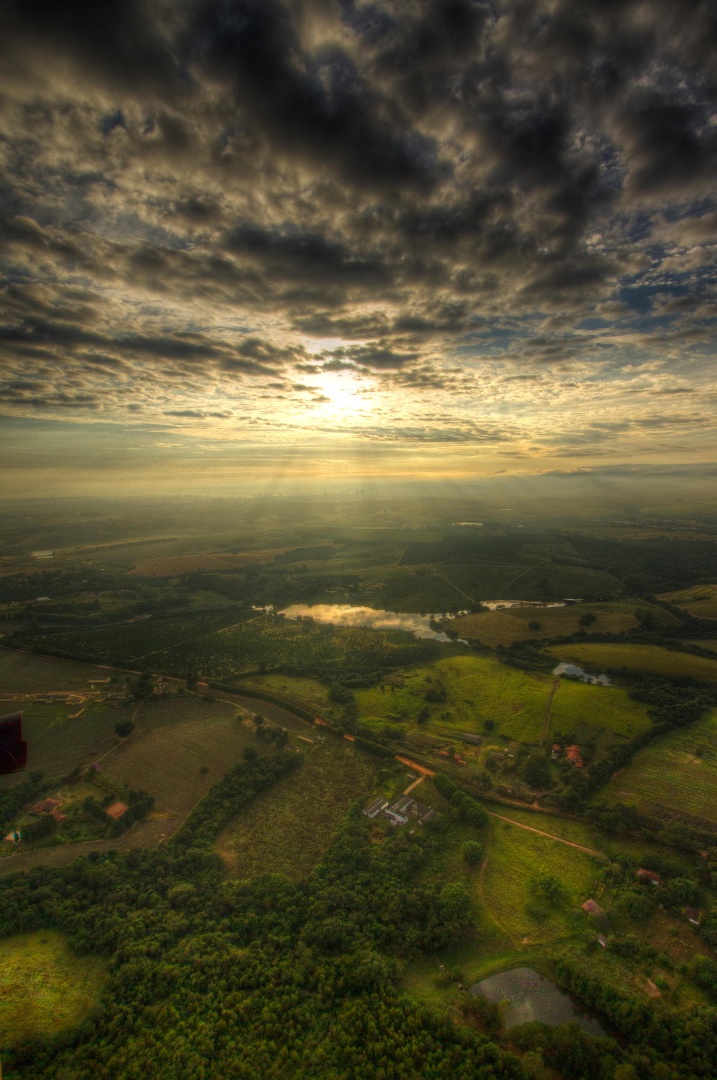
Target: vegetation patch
{"points": [[536, 624], [651, 659], [288, 829], [675, 774], [700, 600], [44, 988], [180, 747]]}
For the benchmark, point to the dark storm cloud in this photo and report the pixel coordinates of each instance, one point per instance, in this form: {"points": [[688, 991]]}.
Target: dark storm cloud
{"points": [[189, 191], [316, 105]]}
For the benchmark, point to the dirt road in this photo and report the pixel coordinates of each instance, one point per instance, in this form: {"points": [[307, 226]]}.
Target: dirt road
{"points": [[550, 836]]}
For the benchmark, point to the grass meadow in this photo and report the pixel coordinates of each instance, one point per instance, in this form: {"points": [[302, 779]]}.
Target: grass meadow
{"points": [[505, 627], [700, 600], [606, 707], [24, 673], [677, 771], [288, 828], [651, 659], [44, 988], [175, 739]]}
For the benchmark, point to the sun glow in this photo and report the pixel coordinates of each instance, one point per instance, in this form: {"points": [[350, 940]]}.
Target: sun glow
{"points": [[344, 395]]}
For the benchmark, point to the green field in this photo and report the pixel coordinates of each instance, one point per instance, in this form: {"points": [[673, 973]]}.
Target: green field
{"points": [[653, 659], [479, 688], [287, 830], [174, 740], [23, 673], [676, 774], [700, 600], [505, 627], [56, 742], [515, 857], [44, 988], [605, 707]]}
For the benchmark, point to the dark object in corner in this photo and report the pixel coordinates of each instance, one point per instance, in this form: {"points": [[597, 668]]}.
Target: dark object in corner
{"points": [[13, 748]]}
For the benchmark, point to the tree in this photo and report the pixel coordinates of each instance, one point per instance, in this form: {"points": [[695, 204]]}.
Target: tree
{"points": [[472, 852], [534, 624], [123, 728], [250, 753], [536, 771]]}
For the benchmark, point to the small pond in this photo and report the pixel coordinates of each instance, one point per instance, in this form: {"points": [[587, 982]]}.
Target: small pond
{"points": [[575, 672], [374, 618], [534, 998]]}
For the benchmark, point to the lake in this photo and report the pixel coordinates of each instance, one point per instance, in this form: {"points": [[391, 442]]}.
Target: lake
{"points": [[374, 618], [534, 998]]}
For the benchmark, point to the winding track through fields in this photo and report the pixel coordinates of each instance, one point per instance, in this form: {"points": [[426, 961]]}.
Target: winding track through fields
{"points": [[559, 839], [548, 710]]}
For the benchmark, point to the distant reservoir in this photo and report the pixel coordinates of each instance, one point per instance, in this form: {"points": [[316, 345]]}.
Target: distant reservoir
{"points": [[533, 998], [374, 618]]}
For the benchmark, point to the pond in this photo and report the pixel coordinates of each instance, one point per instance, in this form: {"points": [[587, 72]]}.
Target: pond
{"points": [[374, 618], [575, 672], [533, 998]]}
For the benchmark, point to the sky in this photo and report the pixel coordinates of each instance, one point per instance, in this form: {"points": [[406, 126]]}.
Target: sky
{"points": [[261, 242]]}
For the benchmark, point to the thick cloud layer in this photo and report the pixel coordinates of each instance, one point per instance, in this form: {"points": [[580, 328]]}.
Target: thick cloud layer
{"points": [[444, 221]]}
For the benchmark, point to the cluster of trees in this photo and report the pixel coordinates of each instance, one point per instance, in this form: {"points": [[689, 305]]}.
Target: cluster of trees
{"points": [[267, 977], [467, 808], [668, 1043]]}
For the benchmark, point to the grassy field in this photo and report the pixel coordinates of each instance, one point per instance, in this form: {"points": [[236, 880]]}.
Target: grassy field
{"points": [[44, 988], [23, 673], [174, 565], [476, 689], [479, 688], [307, 691], [515, 858], [606, 707], [174, 740], [599, 657], [676, 772], [505, 627], [287, 830], [700, 600]]}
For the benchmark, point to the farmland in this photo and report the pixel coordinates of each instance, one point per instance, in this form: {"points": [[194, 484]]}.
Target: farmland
{"points": [[174, 565], [700, 601], [475, 689], [652, 659], [180, 748], [675, 775], [22, 673], [45, 989], [505, 627], [288, 829]]}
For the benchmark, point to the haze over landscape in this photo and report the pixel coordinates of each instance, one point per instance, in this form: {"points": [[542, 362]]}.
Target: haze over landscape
{"points": [[358, 540]]}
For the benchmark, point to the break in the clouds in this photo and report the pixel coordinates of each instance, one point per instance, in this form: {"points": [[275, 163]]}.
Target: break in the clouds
{"points": [[490, 223]]}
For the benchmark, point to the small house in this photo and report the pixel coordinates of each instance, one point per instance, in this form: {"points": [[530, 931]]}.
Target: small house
{"points": [[572, 754], [116, 810], [602, 940], [693, 916], [374, 808], [592, 908], [648, 877], [44, 807], [58, 816], [555, 751]]}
